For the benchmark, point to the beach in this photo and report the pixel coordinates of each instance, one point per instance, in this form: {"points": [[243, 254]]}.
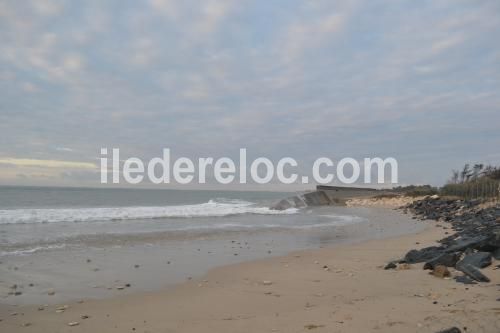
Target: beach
{"points": [[339, 289], [89, 243], [249, 166], [318, 268]]}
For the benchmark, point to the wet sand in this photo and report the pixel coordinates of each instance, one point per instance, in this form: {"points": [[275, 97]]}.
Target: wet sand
{"points": [[99, 264]]}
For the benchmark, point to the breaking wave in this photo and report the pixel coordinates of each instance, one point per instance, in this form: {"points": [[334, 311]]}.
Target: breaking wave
{"points": [[212, 208]]}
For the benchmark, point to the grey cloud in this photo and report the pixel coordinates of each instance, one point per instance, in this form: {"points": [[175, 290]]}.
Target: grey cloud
{"points": [[321, 78]]}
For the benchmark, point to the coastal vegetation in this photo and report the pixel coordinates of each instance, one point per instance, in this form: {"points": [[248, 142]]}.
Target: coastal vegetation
{"points": [[477, 181], [474, 182]]}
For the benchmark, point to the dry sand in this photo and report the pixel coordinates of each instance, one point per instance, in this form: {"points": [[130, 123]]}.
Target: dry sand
{"points": [[385, 202], [338, 289]]}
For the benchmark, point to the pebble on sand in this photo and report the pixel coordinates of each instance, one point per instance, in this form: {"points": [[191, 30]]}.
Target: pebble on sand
{"points": [[61, 309], [404, 267]]}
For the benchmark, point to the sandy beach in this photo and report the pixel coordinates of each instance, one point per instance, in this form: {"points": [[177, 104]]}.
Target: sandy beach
{"points": [[225, 166], [59, 262], [336, 289]]}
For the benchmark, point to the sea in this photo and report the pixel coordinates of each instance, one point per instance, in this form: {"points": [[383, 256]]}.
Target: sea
{"points": [[81, 242]]}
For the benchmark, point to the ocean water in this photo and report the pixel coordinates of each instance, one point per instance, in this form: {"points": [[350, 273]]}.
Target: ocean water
{"points": [[35, 218], [83, 242]]}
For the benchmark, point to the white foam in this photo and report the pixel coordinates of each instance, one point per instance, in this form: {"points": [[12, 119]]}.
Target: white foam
{"points": [[213, 208], [32, 250]]}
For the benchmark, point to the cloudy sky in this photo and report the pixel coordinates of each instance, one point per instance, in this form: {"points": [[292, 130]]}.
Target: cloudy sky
{"points": [[415, 80]]}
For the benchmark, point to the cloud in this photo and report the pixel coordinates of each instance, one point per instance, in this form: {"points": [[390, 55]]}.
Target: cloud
{"points": [[26, 162], [65, 149], [29, 87], [167, 7], [303, 35], [212, 14], [73, 62], [446, 43], [47, 7], [307, 79]]}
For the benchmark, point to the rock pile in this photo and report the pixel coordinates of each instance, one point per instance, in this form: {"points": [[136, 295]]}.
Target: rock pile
{"points": [[475, 241]]}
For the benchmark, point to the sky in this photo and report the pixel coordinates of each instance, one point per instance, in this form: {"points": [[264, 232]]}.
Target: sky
{"points": [[415, 80]]}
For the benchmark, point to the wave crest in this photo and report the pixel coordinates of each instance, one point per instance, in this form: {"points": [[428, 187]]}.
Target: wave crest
{"points": [[213, 208]]}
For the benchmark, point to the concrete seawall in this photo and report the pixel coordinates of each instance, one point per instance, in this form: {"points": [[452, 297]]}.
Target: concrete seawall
{"points": [[326, 196]]}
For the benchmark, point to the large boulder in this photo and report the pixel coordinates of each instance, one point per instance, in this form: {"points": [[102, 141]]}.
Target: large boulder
{"points": [[423, 255], [445, 259], [296, 201], [282, 205], [478, 259], [473, 272], [463, 244], [494, 239]]}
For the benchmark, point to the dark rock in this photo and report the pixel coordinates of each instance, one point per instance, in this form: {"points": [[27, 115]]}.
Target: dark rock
{"points": [[478, 259], [473, 272], [468, 251], [391, 265], [474, 242], [451, 330], [496, 254], [494, 239], [474, 234], [446, 259], [425, 254], [282, 205], [464, 279]]}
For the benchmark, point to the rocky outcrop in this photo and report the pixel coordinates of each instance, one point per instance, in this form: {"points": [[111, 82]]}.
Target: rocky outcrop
{"points": [[474, 239]]}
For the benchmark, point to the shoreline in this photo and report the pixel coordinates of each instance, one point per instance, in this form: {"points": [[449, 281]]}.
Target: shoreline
{"points": [[164, 259], [340, 288]]}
